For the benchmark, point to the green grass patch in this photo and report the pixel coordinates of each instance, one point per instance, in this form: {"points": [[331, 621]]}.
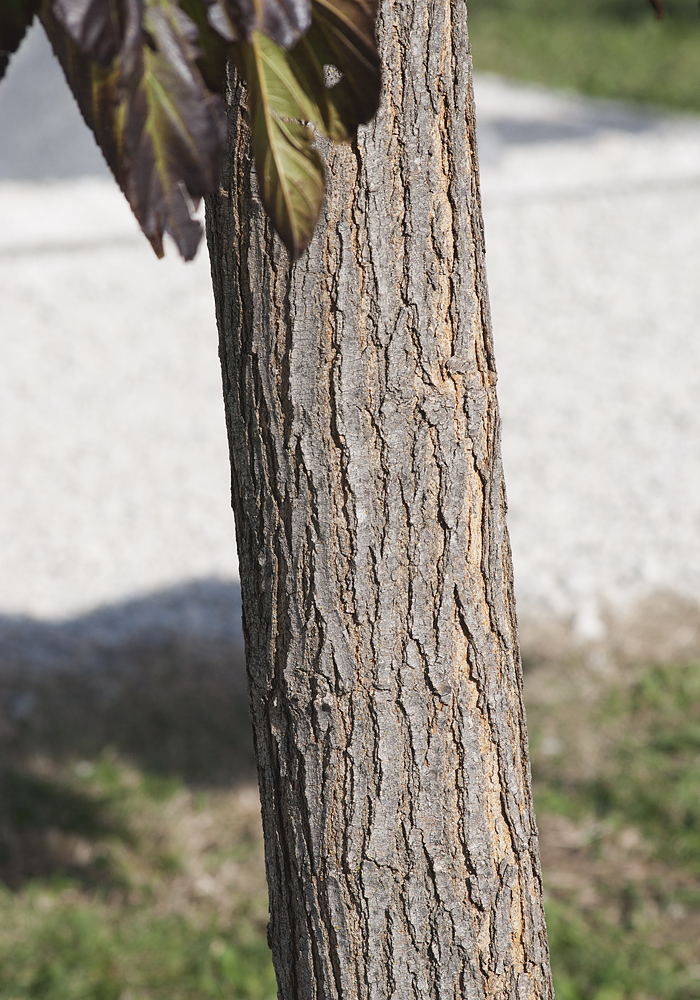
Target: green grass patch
{"points": [[616, 772], [65, 948], [649, 776], [654, 779], [613, 50], [117, 883], [127, 880], [595, 959]]}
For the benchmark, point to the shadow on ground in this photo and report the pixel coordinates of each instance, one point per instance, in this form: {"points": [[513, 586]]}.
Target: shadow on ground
{"points": [[158, 682], [160, 679]]}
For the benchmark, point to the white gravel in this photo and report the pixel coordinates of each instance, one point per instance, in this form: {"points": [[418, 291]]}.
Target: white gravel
{"points": [[112, 446], [593, 256]]}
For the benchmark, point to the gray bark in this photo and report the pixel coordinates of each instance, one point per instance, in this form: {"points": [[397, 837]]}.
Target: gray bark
{"points": [[381, 639]]}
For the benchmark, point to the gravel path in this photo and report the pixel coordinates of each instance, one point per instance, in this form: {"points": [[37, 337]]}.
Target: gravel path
{"points": [[112, 453], [592, 220]]}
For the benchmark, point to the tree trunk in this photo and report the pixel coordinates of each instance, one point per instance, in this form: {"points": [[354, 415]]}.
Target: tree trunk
{"points": [[381, 640]]}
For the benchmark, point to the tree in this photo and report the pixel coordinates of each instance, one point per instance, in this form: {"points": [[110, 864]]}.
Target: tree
{"points": [[381, 637]]}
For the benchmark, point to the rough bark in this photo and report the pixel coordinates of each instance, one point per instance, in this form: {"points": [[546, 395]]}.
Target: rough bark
{"points": [[381, 638]]}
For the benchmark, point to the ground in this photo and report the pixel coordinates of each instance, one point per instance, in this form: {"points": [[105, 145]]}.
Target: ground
{"points": [[131, 850]]}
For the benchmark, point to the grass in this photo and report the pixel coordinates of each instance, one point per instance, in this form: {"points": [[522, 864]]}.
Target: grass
{"points": [[655, 781], [651, 776], [131, 863], [606, 48], [616, 773], [136, 888], [593, 958], [128, 873], [72, 950], [130, 886]]}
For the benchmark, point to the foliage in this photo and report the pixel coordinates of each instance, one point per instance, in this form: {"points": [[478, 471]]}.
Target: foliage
{"points": [[650, 776], [15, 18], [149, 76], [74, 950]]}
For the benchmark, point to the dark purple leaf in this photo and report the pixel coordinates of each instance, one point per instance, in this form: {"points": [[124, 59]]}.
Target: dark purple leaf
{"points": [[284, 21], [162, 131], [94, 25], [212, 46], [157, 114], [343, 34], [15, 18]]}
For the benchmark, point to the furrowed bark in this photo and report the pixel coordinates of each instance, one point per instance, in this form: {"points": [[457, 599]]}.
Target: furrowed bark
{"points": [[381, 640]]}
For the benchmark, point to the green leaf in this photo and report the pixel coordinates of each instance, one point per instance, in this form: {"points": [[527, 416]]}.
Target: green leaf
{"points": [[308, 67], [15, 18], [346, 41], [344, 38], [287, 90], [161, 130], [290, 171]]}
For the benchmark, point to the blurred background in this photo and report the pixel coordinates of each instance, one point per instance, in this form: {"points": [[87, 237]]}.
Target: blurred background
{"points": [[130, 854]]}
